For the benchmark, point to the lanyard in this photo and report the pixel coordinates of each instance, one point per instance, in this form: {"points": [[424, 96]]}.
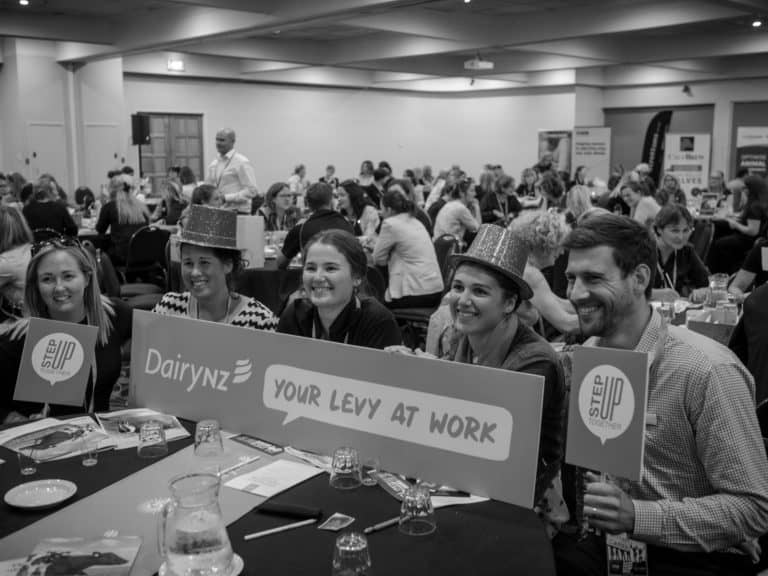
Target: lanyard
{"points": [[221, 174], [664, 275], [346, 336]]}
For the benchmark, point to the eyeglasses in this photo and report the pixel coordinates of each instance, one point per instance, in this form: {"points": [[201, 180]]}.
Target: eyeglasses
{"points": [[55, 242]]}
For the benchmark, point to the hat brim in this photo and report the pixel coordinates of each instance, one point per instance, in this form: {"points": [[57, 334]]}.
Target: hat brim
{"points": [[525, 290], [206, 244]]}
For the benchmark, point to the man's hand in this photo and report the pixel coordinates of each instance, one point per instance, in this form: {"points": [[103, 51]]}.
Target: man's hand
{"points": [[607, 507]]}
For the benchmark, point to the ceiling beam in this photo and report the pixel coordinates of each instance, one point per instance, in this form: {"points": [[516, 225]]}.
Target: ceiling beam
{"points": [[43, 26]]}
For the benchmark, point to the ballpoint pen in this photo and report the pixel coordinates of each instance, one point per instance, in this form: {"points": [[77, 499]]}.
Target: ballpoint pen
{"points": [[279, 529], [381, 525]]}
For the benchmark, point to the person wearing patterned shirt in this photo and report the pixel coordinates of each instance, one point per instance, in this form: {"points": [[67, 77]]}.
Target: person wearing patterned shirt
{"points": [[703, 497], [209, 260], [232, 174]]}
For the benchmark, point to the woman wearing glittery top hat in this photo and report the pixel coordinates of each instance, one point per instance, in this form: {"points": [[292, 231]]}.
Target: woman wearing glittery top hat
{"points": [[484, 294], [210, 258]]}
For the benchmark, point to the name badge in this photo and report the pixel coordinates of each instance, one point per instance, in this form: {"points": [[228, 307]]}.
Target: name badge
{"points": [[651, 420]]}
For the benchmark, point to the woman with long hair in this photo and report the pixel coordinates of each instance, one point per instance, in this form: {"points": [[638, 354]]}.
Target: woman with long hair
{"points": [[527, 187], [46, 212], [335, 268], [500, 206], [15, 243], [62, 284], [642, 207], [210, 263], [359, 210], [278, 210], [670, 192], [123, 215], [578, 200], [404, 246], [172, 204], [460, 214], [728, 252]]}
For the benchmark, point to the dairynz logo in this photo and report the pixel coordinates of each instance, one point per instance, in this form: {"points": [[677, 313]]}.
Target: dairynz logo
{"points": [[191, 375]]}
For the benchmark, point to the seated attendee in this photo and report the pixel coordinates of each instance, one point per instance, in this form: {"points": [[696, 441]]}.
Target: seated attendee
{"points": [[749, 340], [358, 209], [172, 204], [62, 285], [728, 252], [330, 177], [501, 205], [680, 271], [670, 192], [752, 272], [484, 295], [84, 199], [404, 246], [366, 174], [203, 195], [319, 200], [406, 187], [578, 200], [376, 188], [188, 182], [335, 267], [642, 207], [540, 234], [123, 215], [704, 487], [456, 218], [45, 212], [527, 187], [278, 210], [15, 243], [210, 260]]}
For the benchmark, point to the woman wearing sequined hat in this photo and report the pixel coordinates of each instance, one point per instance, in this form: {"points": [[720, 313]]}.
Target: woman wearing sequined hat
{"points": [[210, 259]]}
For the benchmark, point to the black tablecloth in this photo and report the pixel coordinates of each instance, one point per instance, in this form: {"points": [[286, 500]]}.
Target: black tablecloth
{"points": [[485, 538], [113, 466], [269, 285]]}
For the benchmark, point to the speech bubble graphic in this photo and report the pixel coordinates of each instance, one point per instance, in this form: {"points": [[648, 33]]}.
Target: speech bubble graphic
{"points": [[57, 357], [606, 402], [461, 426]]}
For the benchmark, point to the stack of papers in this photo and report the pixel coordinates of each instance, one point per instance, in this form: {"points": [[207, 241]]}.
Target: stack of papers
{"points": [[52, 439], [274, 478], [123, 426]]}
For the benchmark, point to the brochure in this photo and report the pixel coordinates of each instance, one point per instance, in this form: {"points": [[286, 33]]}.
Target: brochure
{"points": [[123, 425], [53, 439], [103, 556]]}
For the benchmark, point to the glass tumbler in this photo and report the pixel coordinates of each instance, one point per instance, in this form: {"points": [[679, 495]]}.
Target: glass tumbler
{"points": [[345, 470], [417, 516], [152, 442], [208, 442], [351, 556]]}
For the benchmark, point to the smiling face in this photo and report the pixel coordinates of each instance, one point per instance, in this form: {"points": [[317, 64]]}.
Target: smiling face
{"points": [[62, 284], [630, 196], [477, 300], [602, 296], [203, 273], [343, 199], [675, 235], [327, 277]]}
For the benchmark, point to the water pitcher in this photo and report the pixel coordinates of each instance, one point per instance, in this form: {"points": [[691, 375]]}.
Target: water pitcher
{"points": [[192, 534]]}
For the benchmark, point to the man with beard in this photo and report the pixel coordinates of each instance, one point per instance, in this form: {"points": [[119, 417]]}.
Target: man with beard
{"points": [[703, 497]]}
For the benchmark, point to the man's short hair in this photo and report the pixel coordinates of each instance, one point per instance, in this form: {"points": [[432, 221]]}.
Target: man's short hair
{"points": [[672, 214], [631, 242], [319, 195], [380, 174]]}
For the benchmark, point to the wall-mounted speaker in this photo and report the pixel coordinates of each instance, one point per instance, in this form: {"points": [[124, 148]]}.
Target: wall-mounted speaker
{"points": [[139, 129]]}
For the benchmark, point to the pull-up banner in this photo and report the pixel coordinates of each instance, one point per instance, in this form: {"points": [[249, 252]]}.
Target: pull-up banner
{"points": [[474, 428]]}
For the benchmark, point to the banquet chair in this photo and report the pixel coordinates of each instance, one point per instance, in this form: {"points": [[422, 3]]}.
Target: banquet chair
{"points": [[445, 247], [374, 285], [701, 238], [145, 262], [43, 234]]}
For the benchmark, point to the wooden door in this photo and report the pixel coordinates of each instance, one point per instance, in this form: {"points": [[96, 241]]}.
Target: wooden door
{"points": [[47, 151], [175, 140]]}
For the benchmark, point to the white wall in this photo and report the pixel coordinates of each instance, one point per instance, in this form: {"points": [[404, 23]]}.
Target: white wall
{"points": [[280, 126], [721, 94]]}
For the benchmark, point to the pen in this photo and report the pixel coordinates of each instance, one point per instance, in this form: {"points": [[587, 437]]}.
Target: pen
{"points": [[279, 529], [381, 525], [238, 465]]}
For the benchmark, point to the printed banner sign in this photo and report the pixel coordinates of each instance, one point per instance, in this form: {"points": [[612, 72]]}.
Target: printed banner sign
{"points": [[56, 362], [474, 428], [686, 156], [752, 149], [606, 427], [557, 144], [592, 148]]}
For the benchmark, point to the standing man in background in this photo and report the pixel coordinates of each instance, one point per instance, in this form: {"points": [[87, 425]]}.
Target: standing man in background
{"points": [[232, 174]]}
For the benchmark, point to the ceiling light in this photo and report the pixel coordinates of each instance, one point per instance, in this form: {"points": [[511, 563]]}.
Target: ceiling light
{"points": [[24, 2], [757, 23], [175, 64], [467, 1]]}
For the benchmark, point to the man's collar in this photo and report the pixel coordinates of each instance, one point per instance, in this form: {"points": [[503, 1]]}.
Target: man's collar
{"points": [[228, 155], [649, 339]]}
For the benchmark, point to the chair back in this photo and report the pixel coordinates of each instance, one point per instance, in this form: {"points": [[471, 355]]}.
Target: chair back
{"points": [[374, 284], [147, 247], [43, 234], [445, 247], [701, 238]]}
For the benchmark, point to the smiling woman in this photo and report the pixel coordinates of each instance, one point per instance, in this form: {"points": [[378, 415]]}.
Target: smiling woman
{"points": [[209, 261], [62, 285], [335, 267]]}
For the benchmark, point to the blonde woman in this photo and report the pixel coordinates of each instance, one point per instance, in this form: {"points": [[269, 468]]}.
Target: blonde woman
{"points": [[123, 215], [15, 243], [578, 200]]}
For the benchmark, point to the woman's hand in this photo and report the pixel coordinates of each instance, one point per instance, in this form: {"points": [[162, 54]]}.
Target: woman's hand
{"points": [[14, 418], [405, 351]]}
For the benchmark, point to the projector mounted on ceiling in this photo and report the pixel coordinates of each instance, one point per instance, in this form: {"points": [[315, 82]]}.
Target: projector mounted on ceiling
{"points": [[478, 64]]}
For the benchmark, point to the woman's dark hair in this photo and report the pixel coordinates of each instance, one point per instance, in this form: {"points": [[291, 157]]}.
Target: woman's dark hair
{"points": [[358, 199], [347, 245], [672, 214], [396, 199], [508, 287], [186, 176], [272, 192], [203, 194], [26, 192], [757, 189], [630, 241], [459, 188], [235, 257], [504, 181]]}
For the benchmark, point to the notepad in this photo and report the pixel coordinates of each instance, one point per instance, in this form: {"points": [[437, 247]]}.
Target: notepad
{"points": [[273, 478]]}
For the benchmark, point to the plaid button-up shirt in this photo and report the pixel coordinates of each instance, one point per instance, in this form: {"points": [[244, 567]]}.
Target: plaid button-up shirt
{"points": [[705, 473]]}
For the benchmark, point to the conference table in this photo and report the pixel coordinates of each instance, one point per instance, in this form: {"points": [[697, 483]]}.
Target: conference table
{"points": [[124, 495]]}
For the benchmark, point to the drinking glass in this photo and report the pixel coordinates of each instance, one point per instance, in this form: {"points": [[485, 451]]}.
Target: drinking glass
{"points": [[351, 556], [370, 467], [152, 442], [667, 311], [27, 464], [417, 516], [718, 288], [90, 452], [208, 442], [345, 470]]}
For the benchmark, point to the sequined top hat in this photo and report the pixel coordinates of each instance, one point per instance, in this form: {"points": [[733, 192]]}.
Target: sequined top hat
{"points": [[496, 247], [211, 227]]}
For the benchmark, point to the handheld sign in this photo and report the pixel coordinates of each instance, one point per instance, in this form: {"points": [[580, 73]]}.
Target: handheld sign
{"points": [[606, 417], [56, 362], [474, 428]]}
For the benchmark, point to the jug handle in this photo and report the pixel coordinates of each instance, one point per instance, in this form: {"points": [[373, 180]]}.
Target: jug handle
{"points": [[162, 524]]}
